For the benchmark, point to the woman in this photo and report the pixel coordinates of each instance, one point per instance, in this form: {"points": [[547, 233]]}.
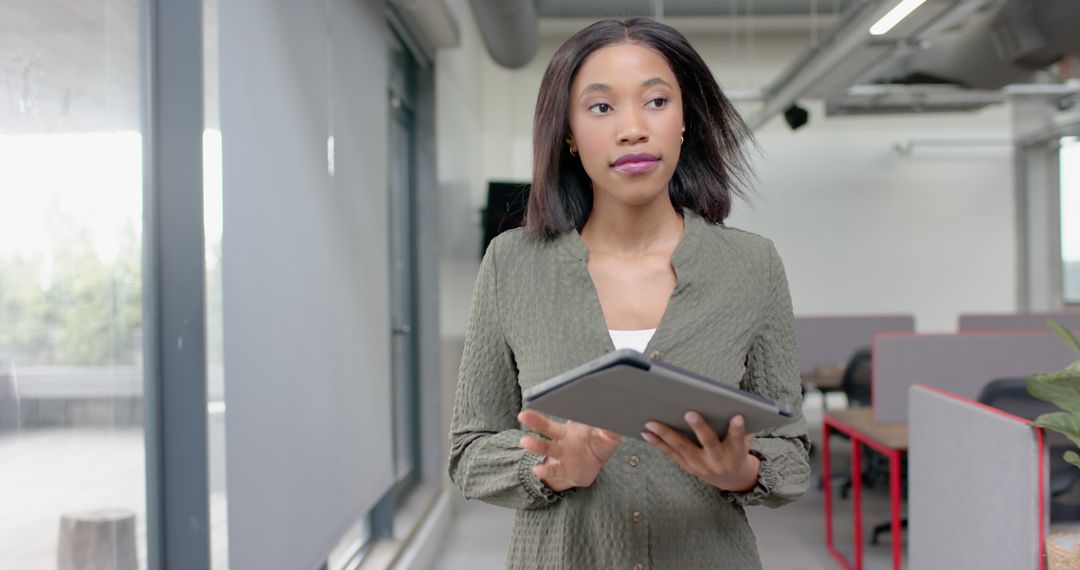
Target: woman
{"points": [[637, 155]]}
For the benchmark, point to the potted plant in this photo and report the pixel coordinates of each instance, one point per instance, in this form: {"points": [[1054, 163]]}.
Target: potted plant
{"points": [[1063, 390]]}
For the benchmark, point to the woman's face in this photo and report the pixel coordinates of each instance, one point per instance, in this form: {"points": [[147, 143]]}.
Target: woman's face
{"points": [[626, 121]]}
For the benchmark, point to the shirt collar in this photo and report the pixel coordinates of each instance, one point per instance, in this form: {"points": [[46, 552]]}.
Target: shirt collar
{"points": [[682, 258]]}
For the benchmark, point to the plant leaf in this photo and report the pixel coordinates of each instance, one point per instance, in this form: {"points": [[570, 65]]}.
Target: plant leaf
{"points": [[1072, 457], [1062, 422], [1066, 335], [1060, 388]]}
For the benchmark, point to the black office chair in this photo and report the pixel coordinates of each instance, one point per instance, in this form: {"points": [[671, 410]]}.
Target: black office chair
{"points": [[856, 385], [1011, 395], [856, 379]]}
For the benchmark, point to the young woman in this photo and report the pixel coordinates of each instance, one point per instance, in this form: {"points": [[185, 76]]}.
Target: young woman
{"points": [[637, 156]]}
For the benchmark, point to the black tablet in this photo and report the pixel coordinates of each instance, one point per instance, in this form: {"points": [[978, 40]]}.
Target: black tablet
{"points": [[622, 390]]}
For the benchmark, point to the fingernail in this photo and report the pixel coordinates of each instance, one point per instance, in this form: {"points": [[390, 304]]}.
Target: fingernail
{"points": [[692, 417], [738, 421], [647, 437], [653, 427]]}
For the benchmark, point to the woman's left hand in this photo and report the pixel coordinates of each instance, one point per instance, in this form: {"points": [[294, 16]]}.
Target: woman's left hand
{"points": [[726, 464]]}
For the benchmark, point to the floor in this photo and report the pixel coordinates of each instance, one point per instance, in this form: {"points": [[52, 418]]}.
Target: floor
{"points": [[789, 537], [45, 474]]}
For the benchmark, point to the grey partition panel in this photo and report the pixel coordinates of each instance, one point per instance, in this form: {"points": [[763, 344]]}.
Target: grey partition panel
{"points": [[305, 275], [1018, 321], [832, 340], [961, 363], [975, 480]]}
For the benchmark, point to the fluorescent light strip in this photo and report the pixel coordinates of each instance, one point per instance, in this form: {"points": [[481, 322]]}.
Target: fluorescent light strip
{"points": [[894, 16]]}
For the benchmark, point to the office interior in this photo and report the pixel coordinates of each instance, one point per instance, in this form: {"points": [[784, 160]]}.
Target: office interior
{"points": [[238, 242]]}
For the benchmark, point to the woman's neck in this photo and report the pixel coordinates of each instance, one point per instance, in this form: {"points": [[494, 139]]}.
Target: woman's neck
{"points": [[632, 230]]}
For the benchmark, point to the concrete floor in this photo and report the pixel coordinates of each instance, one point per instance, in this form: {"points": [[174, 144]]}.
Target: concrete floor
{"points": [[47, 473]]}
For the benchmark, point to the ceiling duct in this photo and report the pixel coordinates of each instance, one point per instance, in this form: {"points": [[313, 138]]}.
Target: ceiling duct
{"points": [[848, 53], [510, 28], [963, 44], [425, 26], [994, 48], [969, 56]]}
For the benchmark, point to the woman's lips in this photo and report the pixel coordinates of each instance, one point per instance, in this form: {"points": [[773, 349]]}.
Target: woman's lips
{"points": [[636, 164]]}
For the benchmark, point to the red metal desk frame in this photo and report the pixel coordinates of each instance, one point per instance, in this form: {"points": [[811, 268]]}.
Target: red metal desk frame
{"points": [[860, 437]]}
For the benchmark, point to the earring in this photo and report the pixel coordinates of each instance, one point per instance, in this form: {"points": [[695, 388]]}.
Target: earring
{"points": [[572, 153], [681, 140]]}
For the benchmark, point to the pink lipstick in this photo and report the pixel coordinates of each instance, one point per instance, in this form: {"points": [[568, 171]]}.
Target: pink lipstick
{"points": [[636, 163]]}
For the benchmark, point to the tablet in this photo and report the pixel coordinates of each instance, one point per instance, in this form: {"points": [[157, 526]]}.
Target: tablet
{"points": [[622, 390]]}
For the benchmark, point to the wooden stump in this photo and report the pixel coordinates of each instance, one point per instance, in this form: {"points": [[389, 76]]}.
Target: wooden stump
{"points": [[1063, 551], [98, 540], [9, 401]]}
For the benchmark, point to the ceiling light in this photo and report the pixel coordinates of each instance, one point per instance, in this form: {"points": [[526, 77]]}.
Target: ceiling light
{"points": [[894, 16]]}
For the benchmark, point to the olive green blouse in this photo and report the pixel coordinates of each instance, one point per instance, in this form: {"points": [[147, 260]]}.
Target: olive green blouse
{"points": [[535, 314]]}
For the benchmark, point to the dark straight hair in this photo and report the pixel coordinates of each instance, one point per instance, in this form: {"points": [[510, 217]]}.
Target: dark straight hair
{"points": [[713, 166]]}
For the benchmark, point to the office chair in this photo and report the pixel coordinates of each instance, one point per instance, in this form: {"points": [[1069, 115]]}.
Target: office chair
{"points": [[855, 384], [856, 380], [1011, 395]]}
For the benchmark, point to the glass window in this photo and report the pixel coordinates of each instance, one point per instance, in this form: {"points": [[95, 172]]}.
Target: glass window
{"points": [[1070, 219], [403, 264], [71, 424]]}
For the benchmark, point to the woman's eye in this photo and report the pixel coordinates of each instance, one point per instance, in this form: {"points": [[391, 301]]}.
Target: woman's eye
{"points": [[600, 108], [658, 103]]}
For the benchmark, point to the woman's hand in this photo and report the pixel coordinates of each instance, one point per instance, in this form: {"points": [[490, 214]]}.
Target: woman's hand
{"points": [[575, 453], [726, 464]]}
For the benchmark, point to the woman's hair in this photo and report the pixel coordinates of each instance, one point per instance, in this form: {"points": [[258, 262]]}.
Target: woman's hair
{"points": [[713, 166]]}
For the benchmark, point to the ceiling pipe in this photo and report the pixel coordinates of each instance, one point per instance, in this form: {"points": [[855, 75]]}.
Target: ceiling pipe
{"points": [[851, 33], [510, 29]]}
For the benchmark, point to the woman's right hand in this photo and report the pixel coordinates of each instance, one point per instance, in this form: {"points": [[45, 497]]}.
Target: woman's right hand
{"points": [[575, 454]]}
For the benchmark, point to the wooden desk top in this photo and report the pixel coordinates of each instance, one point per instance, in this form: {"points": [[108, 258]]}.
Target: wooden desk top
{"points": [[893, 436], [822, 382]]}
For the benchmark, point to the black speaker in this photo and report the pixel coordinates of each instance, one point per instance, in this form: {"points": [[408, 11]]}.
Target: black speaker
{"points": [[796, 116]]}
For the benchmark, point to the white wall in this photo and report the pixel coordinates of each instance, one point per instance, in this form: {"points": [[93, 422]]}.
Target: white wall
{"points": [[458, 130], [861, 228]]}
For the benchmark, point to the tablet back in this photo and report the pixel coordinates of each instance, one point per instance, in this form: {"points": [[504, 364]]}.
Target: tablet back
{"points": [[622, 397]]}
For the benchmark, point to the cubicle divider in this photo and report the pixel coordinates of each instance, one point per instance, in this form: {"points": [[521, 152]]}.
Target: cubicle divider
{"points": [[960, 363], [977, 485], [829, 341], [1018, 321]]}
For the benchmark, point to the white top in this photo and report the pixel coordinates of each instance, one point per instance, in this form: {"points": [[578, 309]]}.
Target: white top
{"points": [[636, 340]]}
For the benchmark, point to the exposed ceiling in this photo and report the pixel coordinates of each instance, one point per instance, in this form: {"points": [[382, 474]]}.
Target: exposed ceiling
{"points": [[681, 8], [947, 55]]}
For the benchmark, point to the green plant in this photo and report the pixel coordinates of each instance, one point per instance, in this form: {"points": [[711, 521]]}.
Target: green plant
{"points": [[1063, 390]]}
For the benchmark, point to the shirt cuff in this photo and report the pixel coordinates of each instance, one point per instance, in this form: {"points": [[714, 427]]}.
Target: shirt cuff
{"points": [[768, 479], [533, 485]]}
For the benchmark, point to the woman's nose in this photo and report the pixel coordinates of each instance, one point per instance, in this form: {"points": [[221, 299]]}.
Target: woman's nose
{"points": [[633, 130]]}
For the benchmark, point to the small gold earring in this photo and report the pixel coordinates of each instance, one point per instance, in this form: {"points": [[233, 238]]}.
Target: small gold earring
{"points": [[681, 140], [572, 153]]}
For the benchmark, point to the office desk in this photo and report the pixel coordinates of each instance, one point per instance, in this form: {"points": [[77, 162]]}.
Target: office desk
{"points": [[889, 439], [825, 383]]}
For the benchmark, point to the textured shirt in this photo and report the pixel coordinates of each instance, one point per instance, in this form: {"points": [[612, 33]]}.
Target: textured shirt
{"points": [[535, 314]]}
